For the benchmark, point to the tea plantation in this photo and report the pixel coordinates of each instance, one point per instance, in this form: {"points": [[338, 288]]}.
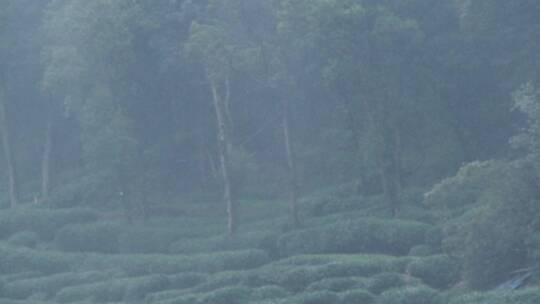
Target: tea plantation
{"points": [[351, 256]]}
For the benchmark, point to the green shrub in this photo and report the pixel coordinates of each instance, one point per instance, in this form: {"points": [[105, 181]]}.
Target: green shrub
{"points": [[222, 279], [494, 246], [264, 240], [44, 222], [140, 287], [141, 264], [384, 281], [294, 279], [297, 273], [363, 265], [434, 237], [525, 296], [333, 284], [421, 251], [24, 238], [186, 280], [109, 291], [356, 296], [227, 295], [319, 297], [147, 240], [331, 203], [115, 290], [50, 285], [20, 259], [168, 296], [408, 295], [268, 292], [79, 191], [439, 271], [95, 237], [362, 235], [490, 212]]}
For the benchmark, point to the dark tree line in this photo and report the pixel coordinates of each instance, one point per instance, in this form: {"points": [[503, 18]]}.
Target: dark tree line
{"points": [[140, 101]]}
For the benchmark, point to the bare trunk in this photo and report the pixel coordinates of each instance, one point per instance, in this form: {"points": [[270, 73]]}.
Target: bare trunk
{"points": [[143, 188], [8, 152], [212, 164], [397, 161], [46, 161], [227, 108], [224, 149], [390, 168], [291, 166], [125, 201]]}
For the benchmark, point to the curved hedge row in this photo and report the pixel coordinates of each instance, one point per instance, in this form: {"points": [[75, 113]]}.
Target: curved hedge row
{"points": [[366, 235]]}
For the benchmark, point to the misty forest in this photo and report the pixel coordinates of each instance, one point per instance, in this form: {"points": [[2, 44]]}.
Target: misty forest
{"points": [[270, 151]]}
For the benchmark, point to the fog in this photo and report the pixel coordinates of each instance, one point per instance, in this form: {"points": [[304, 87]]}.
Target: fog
{"points": [[269, 151]]}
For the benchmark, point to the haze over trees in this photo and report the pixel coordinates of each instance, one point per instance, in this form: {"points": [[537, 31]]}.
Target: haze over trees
{"points": [[269, 151]]}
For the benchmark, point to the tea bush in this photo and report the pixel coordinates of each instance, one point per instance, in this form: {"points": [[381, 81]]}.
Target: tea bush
{"points": [[357, 296], [367, 235], [24, 238], [95, 237], [439, 271], [408, 295], [43, 222]]}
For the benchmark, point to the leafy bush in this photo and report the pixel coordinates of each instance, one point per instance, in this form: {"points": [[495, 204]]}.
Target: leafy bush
{"points": [[384, 281], [490, 212], [293, 279], [357, 296], [408, 295], [421, 251], [140, 287], [297, 273], [115, 290], [24, 238], [19, 259], [333, 284], [332, 203], [361, 235], [268, 292], [43, 222], [50, 285], [264, 240], [525, 296], [222, 279], [227, 295], [169, 296], [439, 271], [147, 240], [320, 297], [80, 191], [95, 237], [186, 280], [169, 264], [109, 291]]}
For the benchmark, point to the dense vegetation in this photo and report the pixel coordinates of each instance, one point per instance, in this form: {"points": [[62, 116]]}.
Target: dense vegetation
{"points": [[269, 151]]}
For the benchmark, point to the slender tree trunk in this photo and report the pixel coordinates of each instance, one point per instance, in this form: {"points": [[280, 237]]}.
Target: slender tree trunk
{"points": [[125, 200], [224, 150], [397, 160], [8, 152], [143, 187], [354, 125], [46, 160], [291, 165], [212, 164], [390, 172]]}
